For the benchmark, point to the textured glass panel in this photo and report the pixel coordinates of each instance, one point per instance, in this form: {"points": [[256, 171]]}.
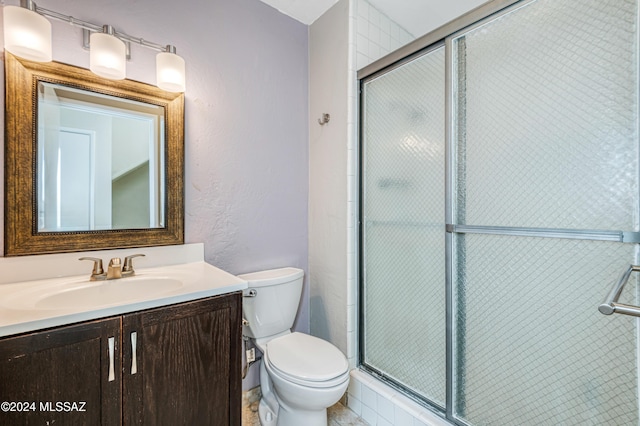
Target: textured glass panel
{"points": [[547, 117], [532, 348], [403, 207]]}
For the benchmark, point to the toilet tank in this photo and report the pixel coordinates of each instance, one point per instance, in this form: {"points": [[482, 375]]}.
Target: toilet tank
{"points": [[271, 301]]}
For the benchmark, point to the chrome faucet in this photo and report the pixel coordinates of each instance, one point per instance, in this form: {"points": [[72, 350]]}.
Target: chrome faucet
{"points": [[115, 269]]}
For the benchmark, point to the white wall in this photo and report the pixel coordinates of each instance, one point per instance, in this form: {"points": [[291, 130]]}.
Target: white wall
{"points": [[328, 92]]}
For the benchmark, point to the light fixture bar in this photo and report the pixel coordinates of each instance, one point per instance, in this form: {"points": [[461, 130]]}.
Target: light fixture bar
{"points": [[86, 42], [29, 4], [108, 49]]}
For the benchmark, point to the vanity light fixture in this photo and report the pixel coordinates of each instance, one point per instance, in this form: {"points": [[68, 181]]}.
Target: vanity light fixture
{"points": [[170, 70], [27, 34], [107, 54]]}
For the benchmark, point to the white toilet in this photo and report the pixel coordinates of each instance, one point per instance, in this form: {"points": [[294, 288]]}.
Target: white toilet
{"points": [[300, 375]]}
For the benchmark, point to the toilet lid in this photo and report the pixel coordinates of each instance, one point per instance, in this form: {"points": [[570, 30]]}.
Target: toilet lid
{"points": [[306, 357]]}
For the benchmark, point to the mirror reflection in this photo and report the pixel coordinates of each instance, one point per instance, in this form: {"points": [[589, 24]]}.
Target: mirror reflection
{"points": [[100, 161]]}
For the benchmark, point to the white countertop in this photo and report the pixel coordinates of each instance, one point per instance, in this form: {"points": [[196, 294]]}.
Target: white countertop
{"points": [[20, 311]]}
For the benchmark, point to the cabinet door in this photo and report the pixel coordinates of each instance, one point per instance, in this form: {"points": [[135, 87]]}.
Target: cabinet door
{"points": [[65, 376], [187, 360]]}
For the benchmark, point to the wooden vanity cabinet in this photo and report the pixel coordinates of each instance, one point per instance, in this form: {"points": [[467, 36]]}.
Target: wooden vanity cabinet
{"points": [[186, 371], [188, 363], [64, 365]]}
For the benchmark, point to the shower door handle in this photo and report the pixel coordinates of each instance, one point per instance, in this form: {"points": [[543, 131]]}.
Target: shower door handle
{"points": [[611, 305]]}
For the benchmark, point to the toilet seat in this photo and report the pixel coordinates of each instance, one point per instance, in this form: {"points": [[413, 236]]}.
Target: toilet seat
{"points": [[306, 360]]}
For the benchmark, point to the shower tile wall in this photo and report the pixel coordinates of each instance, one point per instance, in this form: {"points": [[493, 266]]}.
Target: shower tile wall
{"points": [[377, 34]]}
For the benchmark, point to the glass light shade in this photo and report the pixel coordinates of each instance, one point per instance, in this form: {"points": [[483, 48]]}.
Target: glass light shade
{"points": [[170, 75], [27, 34], [107, 56]]}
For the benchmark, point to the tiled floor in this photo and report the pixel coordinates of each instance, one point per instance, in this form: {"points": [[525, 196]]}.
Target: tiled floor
{"points": [[338, 415]]}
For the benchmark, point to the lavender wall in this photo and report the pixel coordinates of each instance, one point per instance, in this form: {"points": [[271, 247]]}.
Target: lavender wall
{"points": [[246, 132]]}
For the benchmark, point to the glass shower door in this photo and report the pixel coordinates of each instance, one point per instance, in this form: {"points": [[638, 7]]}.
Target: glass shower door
{"points": [[546, 174], [500, 203], [403, 226]]}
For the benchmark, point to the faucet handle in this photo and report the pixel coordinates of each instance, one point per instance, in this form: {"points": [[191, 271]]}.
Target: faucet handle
{"points": [[128, 264], [97, 265]]}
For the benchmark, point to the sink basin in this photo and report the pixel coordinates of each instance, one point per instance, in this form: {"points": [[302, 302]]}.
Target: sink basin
{"points": [[103, 293], [73, 294], [36, 304]]}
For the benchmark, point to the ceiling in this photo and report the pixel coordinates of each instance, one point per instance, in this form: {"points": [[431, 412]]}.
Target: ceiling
{"points": [[416, 16], [305, 11]]}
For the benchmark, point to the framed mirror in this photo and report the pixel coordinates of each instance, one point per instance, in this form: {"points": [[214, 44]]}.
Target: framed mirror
{"points": [[89, 163]]}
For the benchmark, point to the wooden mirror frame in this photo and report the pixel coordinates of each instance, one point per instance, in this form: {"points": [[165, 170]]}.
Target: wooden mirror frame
{"points": [[21, 235]]}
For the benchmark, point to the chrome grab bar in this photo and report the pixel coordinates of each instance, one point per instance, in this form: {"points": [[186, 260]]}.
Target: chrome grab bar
{"points": [[611, 305]]}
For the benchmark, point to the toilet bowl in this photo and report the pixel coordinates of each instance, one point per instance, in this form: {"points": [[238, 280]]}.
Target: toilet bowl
{"points": [[300, 375]]}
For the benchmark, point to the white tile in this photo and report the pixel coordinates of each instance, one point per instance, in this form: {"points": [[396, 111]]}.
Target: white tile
{"points": [[363, 27], [351, 318], [374, 34], [386, 408], [417, 422], [363, 9], [351, 242], [369, 415], [352, 293], [383, 422], [362, 61], [394, 31], [374, 16], [351, 347], [355, 405], [407, 405], [351, 89], [353, 362], [369, 397], [385, 42], [401, 417], [385, 24], [384, 390], [374, 52], [350, 256], [355, 389], [351, 170], [405, 37], [351, 220], [395, 44], [364, 378]]}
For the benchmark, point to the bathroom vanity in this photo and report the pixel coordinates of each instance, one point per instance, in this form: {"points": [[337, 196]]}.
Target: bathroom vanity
{"points": [[172, 358]]}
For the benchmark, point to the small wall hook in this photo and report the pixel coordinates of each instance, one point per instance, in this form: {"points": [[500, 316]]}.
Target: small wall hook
{"points": [[325, 119]]}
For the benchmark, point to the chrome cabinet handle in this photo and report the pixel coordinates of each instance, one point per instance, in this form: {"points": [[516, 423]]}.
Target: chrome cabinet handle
{"points": [[134, 357], [112, 373], [611, 305]]}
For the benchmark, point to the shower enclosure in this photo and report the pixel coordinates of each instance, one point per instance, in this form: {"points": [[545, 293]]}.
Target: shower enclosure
{"points": [[499, 205]]}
